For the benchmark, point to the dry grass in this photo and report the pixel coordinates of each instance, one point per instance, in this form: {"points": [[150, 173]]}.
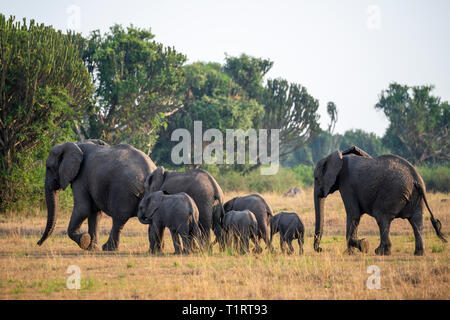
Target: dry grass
{"points": [[32, 272]]}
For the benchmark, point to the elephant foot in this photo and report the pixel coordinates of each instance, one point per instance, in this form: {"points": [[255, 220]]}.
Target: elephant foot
{"points": [[108, 246], [85, 241], [419, 252], [383, 251], [93, 247], [350, 251], [363, 245]]}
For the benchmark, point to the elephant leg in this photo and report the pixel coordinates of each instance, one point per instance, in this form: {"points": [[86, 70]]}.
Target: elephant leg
{"points": [[291, 248], [152, 238], [159, 237], [352, 235], [236, 242], [282, 243], [384, 224], [76, 220], [416, 222], [114, 236], [255, 240], [245, 247], [176, 241], [265, 232], [93, 222], [187, 243], [300, 245], [353, 217]]}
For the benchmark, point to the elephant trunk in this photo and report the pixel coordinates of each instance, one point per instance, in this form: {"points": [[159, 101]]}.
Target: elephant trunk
{"points": [[319, 203], [51, 198], [142, 218]]}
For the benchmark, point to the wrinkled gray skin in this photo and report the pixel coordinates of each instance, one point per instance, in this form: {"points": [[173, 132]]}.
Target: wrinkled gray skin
{"points": [[238, 228], [201, 187], [290, 227], [386, 187], [260, 208], [103, 178], [177, 212]]}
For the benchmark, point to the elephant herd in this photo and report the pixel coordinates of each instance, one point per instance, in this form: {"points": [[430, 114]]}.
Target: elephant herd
{"points": [[123, 182]]}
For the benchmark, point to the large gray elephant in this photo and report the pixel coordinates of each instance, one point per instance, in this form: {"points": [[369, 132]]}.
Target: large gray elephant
{"points": [[260, 208], [239, 227], [201, 187], [386, 187], [177, 212], [103, 178], [290, 227]]}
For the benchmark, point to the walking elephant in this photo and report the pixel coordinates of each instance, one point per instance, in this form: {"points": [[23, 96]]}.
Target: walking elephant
{"points": [[103, 178], [260, 208], [239, 227], [386, 187], [290, 227], [201, 187], [178, 213]]}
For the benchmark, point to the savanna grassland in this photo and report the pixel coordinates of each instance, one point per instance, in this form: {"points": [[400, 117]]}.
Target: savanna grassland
{"points": [[32, 272]]}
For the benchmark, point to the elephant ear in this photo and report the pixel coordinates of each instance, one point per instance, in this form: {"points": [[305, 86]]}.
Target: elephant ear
{"points": [[228, 206], [148, 182], [330, 171], [356, 151], [156, 180], [155, 202], [70, 156]]}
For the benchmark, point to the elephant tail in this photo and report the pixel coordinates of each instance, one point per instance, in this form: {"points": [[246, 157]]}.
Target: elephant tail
{"points": [[437, 225]]}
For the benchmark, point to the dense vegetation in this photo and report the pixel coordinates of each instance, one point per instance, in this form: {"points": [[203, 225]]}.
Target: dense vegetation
{"points": [[124, 87]]}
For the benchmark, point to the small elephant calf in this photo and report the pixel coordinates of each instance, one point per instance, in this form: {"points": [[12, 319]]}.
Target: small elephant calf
{"points": [[177, 212], [290, 227], [241, 226]]}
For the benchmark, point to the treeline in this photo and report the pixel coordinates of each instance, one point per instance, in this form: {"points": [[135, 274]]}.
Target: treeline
{"points": [[125, 87]]}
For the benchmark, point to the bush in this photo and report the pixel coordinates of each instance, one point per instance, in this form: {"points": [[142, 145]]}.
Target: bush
{"points": [[436, 178], [281, 182]]}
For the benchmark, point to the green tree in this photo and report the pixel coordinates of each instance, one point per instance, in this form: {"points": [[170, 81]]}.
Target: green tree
{"points": [[137, 81], [419, 122], [290, 108], [369, 142], [287, 106], [248, 72], [209, 95], [44, 87]]}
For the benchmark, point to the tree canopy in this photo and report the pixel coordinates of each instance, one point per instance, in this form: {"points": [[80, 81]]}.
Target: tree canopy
{"points": [[44, 87], [136, 80], [418, 123]]}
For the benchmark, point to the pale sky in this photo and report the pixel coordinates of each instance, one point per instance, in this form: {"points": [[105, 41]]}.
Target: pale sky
{"points": [[344, 51]]}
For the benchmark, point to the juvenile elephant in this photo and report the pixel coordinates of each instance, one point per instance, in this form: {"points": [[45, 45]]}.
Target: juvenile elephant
{"points": [[201, 187], [386, 187], [177, 212], [260, 208], [103, 178], [239, 227], [290, 227]]}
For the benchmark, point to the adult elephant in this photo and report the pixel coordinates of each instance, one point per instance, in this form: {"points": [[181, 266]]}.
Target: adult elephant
{"points": [[386, 187], [201, 187], [260, 208], [103, 178]]}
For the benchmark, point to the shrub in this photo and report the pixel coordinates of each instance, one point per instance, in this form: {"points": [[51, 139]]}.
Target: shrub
{"points": [[436, 178]]}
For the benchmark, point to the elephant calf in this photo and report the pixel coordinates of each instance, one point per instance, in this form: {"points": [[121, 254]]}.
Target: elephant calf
{"points": [[177, 212], [240, 227], [260, 208], [290, 227]]}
